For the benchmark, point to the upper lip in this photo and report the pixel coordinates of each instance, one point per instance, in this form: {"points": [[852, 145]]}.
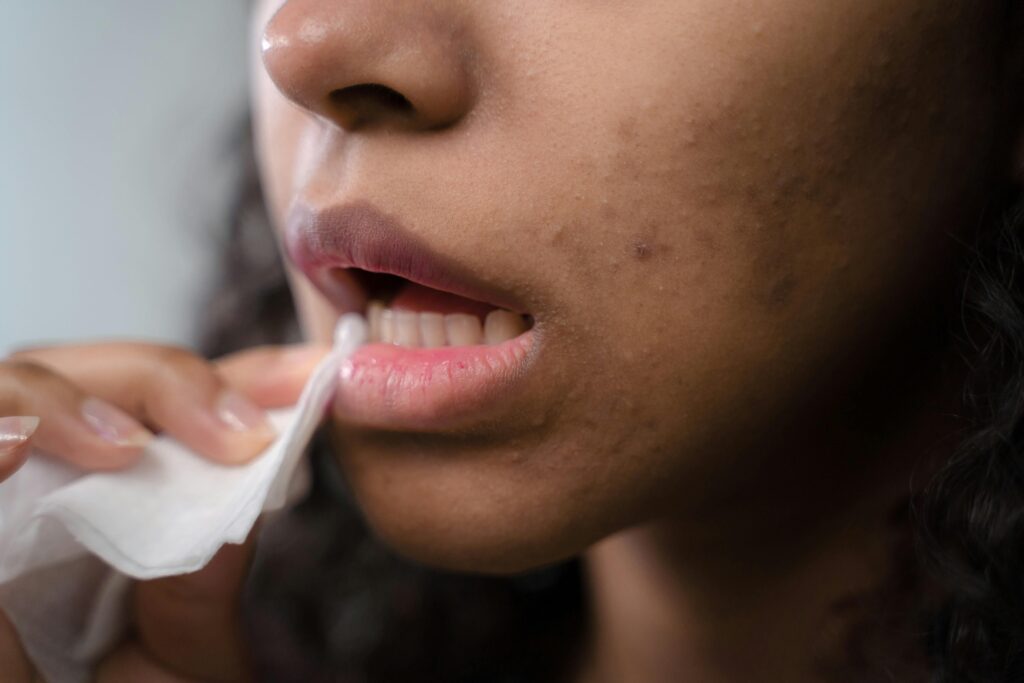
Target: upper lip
{"points": [[359, 235]]}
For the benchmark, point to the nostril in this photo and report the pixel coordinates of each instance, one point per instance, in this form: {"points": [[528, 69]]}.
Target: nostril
{"points": [[365, 102], [372, 93]]}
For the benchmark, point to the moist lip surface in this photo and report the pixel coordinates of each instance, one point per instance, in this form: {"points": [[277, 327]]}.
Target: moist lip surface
{"points": [[444, 345], [392, 387]]}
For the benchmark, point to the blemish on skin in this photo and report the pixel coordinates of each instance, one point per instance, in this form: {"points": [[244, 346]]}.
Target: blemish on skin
{"points": [[626, 129], [557, 234], [641, 250], [780, 291]]}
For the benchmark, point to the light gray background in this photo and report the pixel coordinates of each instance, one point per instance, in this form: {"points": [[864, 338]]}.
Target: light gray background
{"points": [[114, 120]]}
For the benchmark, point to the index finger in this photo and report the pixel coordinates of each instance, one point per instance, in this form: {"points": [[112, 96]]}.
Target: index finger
{"points": [[169, 389], [271, 376]]}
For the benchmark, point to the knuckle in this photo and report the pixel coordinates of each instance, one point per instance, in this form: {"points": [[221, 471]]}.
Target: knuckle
{"points": [[255, 354], [22, 381], [168, 353], [173, 365], [28, 352], [261, 351], [177, 360], [26, 372], [37, 355]]}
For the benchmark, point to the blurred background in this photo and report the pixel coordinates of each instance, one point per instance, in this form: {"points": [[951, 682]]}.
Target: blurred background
{"points": [[117, 120]]}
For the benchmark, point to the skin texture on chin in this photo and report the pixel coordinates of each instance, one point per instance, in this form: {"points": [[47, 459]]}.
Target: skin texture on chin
{"points": [[720, 215]]}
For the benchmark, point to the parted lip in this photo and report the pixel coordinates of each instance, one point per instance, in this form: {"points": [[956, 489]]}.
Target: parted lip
{"points": [[324, 242]]}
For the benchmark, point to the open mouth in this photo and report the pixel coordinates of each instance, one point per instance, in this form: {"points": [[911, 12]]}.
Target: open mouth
{"points": [[405, 313], [446, 346]]}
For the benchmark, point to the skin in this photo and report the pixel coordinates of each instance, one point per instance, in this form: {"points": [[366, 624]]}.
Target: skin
{"points": [[766, 211], [735, 226], [186, 628]]}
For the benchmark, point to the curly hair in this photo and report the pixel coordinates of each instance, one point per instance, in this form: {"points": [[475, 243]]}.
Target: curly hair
{"points": [[328, 602], [970, 517]]}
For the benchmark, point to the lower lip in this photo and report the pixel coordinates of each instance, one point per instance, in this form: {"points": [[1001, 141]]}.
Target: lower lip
{"points": [[396, 388]]}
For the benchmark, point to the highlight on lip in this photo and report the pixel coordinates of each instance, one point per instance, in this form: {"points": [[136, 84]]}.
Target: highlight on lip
{"points": [[397, 385]]}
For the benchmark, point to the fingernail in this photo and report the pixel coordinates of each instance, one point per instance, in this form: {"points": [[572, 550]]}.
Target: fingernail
{"points": [[113, 424], [240, 414], [15, 431]]}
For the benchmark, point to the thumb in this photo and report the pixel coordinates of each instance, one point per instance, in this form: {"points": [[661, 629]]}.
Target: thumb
{"points": [[13, 660], [191, 624]]}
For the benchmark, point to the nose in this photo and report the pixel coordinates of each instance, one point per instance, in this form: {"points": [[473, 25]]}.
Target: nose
{"points": [[361, 63]]}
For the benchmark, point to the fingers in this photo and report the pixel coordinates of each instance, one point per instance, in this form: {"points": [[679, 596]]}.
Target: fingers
{"points": [[64, 421], [191, 624], [15, 442], [215, 409], [13, 663], [170, 389], [130, 664], [272, 376]]}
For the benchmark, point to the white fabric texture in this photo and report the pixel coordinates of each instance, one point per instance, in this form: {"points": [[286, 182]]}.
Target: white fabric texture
{"points": [[72, 541]]}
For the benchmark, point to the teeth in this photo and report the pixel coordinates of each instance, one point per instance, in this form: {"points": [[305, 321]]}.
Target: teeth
{"points": [[407, 328], [373, 313], [387, 326], [432, 330], [463, 329], [501, 326]]}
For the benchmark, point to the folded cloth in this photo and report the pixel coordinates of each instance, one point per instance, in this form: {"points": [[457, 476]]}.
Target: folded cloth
{"points": [[71, 541]]}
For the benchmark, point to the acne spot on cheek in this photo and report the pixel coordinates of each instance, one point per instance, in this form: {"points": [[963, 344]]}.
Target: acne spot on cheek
{"points": [[778, 293], [645, 248], [646, 244], [626, 129], [642, 250], [775, 281]]}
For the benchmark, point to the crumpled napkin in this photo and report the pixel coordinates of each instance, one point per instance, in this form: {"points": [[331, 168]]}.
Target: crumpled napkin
{"points": [[72, 541]]}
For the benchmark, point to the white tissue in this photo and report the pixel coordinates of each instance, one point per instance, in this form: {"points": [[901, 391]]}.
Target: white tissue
{"points": [[71, 541]]}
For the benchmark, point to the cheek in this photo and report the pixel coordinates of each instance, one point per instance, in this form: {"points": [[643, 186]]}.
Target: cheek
{"points": [[726, 245], [705, 244], [748, 191]]}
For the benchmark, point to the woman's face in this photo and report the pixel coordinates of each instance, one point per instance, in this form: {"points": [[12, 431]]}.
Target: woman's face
{"points": [[712, 216]]}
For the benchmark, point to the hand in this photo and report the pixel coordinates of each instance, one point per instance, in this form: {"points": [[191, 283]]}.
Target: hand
{"points": [[97, 406]]}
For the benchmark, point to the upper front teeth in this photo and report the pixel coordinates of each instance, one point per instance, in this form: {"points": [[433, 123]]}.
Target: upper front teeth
{"points": [[431, 330]]}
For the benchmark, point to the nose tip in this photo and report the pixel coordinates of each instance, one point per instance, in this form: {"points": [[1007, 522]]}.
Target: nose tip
{"points": [[368, 63]]}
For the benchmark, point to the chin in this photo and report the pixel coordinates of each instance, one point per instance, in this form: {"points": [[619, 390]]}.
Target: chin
{"points": [[437, 542], [467, 511], [469, 535]]}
